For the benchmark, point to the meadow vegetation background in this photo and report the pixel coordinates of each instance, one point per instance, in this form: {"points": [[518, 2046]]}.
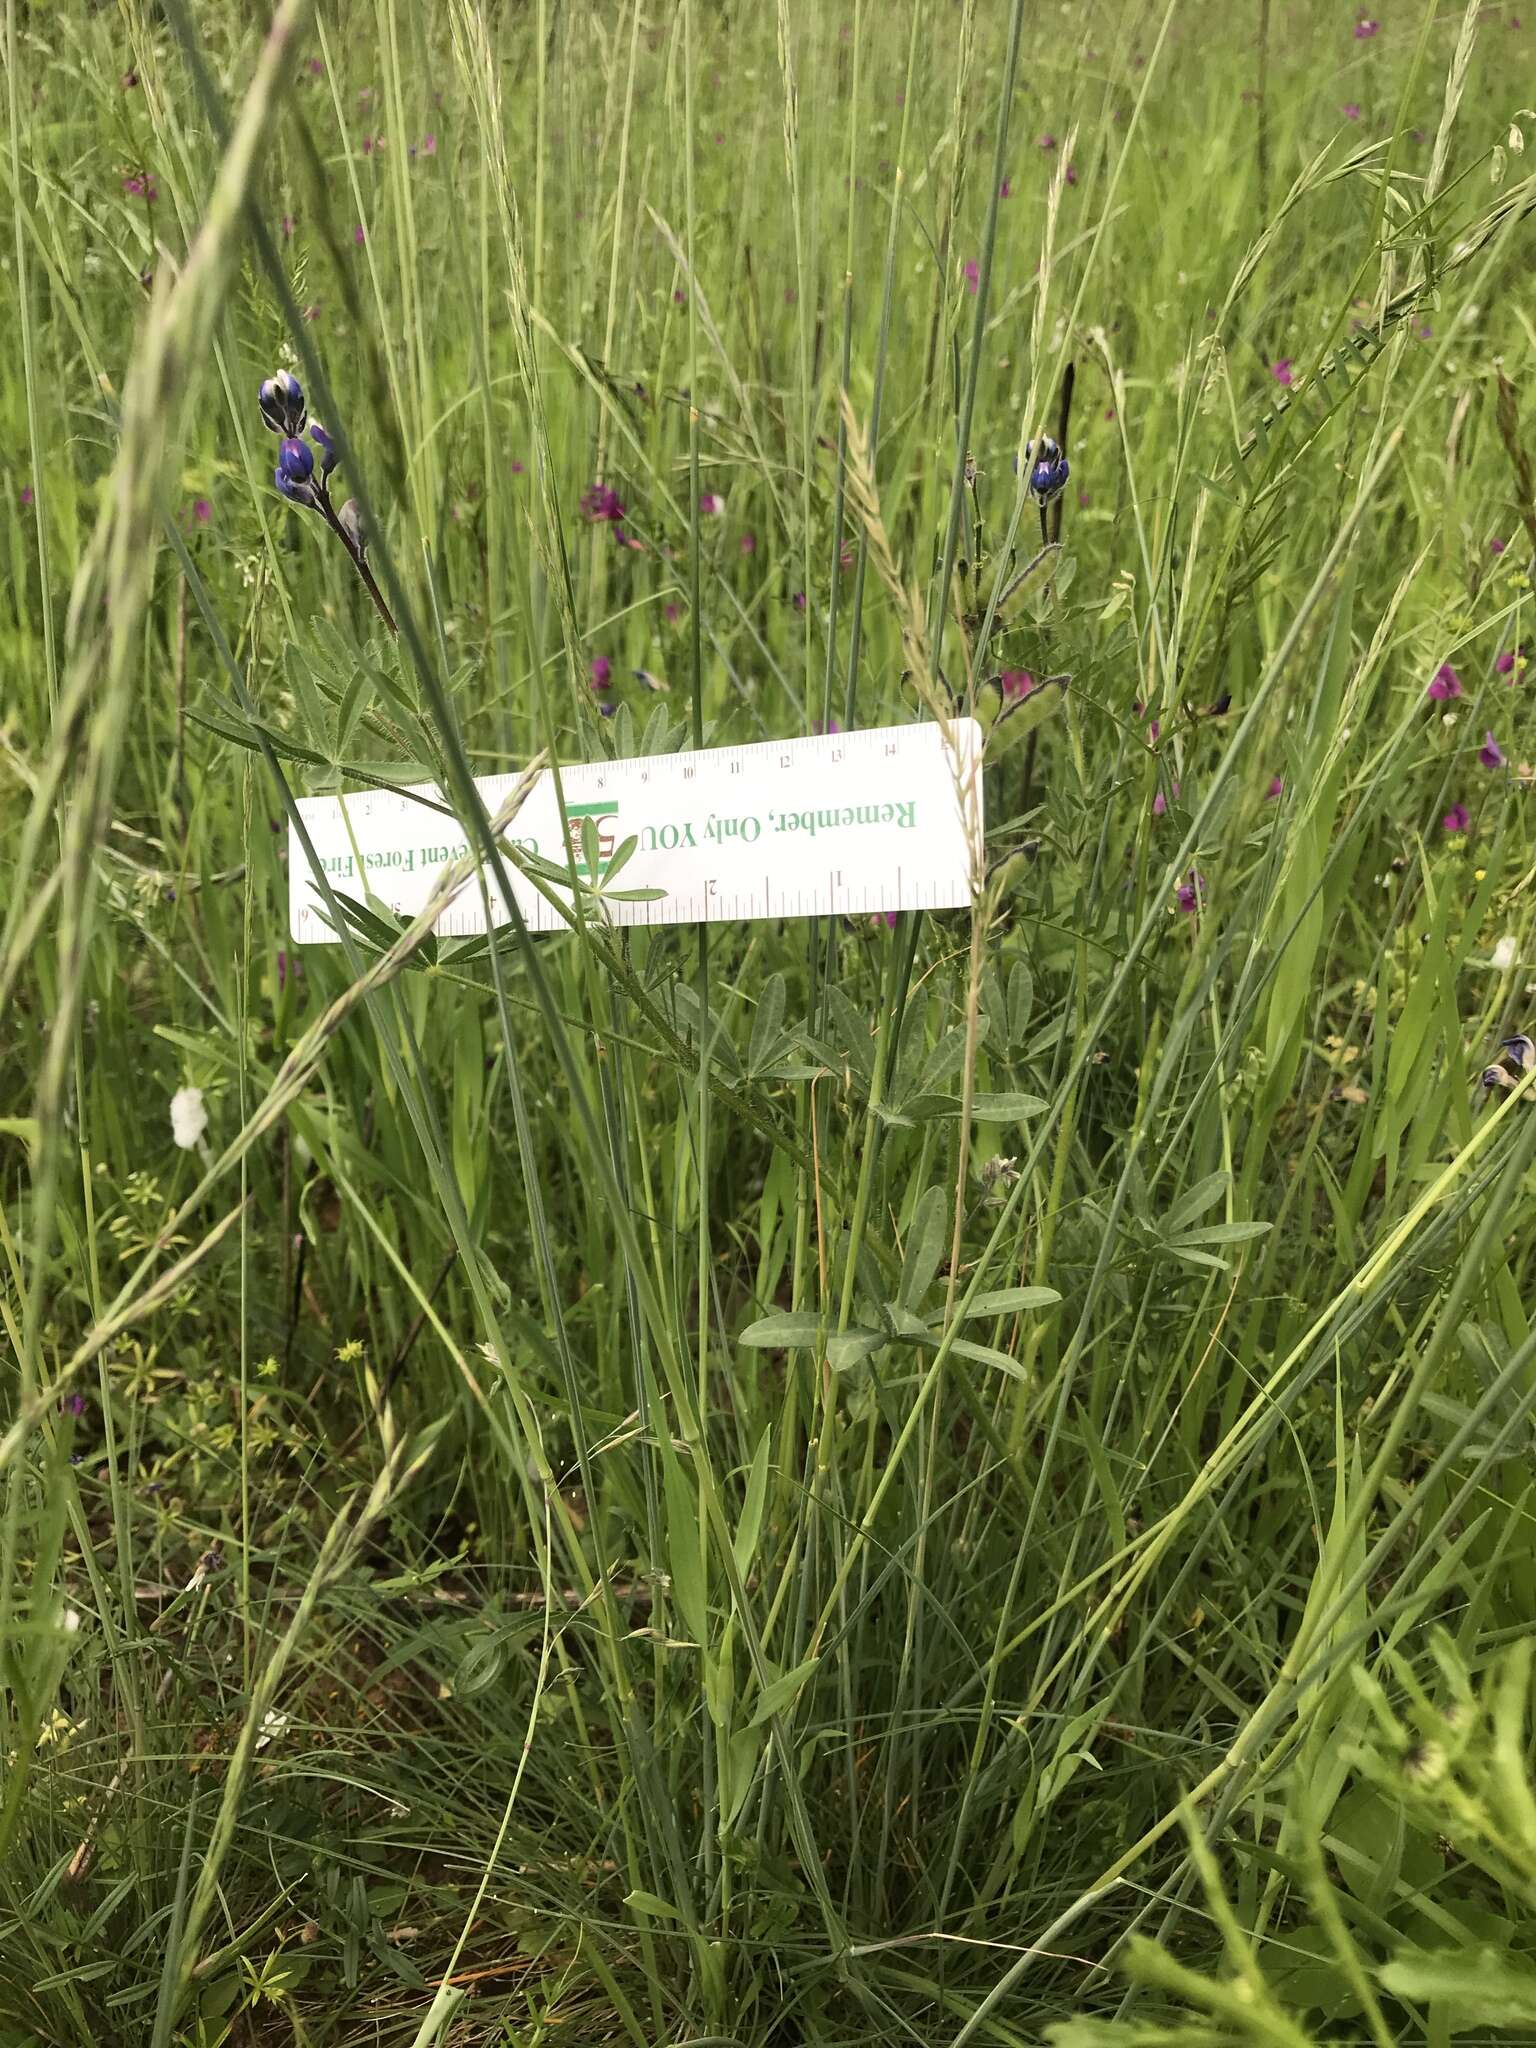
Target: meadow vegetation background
{"points": [[957, 1481]]}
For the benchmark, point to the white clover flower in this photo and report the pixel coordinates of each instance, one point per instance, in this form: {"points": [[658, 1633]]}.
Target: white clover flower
{"points": [[189, 1117]]}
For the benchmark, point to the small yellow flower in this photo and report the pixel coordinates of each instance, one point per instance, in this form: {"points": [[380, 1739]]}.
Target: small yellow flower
{"points": [[349, 1351]]}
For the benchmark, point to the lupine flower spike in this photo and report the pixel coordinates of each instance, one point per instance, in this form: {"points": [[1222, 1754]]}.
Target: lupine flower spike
{"points": [[305, 482]]}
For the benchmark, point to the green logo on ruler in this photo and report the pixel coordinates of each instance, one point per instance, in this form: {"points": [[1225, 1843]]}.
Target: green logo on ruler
{"points": [[594, 849]]}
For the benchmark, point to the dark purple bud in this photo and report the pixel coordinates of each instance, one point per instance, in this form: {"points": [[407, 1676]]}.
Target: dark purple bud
{"points": [[281, 398], [321, 436]]}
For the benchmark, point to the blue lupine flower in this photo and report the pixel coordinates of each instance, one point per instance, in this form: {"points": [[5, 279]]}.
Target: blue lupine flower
{"points": [[282, 403], [295, 468], [321, 436], [1048, 470]]}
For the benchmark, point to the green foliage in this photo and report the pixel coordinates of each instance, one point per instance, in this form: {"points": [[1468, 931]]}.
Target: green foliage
{"points": [[964, 1482]]}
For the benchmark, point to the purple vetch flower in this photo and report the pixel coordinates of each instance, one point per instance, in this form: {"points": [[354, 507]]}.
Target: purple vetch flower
{"points": [[973, 277], [72, 1404], [27, 494], [1191, 894], [1504, 665], [202, 511], [1281, 371], [1276, 788], [798, 600], [1496, 547], [359, 234], [429, 145], [1444, 684], [516, 466], [1160, 802], [1456, 819], [1071, 174], [749, 543], [830, 726], [602, 672], [1016, 683], [1490, 753], [1005, 190], [601, 505], [316, 68], [286, 227], [1047, 142], [1364, 29], [711, 505], [1351, 110]]}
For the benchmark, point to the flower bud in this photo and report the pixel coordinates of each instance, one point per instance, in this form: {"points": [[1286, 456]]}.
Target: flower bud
{"points": [[281, 398], [321, 436], [1048, 470]]}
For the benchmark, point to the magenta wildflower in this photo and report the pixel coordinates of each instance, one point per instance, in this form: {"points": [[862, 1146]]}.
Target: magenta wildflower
{"points": [[710, 505], [1281, 371], [1490, 753], [316, 68], [202, 511], [1364, 29], [1047, 142], [1505, 665], [1160, 802], [798, 600], [601, 505], [1351, 110], [749, 543], [671, 614], [1005, 190], [1071, 174], [517, 467], [602, 671], [1444, 684], [286, 226], [1191, 894], [1456, 819], [429, 145], [26, 494], [1016, 684], [830, 726], [1276, 787], [679, 296], [359, 235], [142, 186], [973, 277], [1495, 547]]}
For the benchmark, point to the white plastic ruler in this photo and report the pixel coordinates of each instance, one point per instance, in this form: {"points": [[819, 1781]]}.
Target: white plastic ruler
{"points": [[845, 824]]}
